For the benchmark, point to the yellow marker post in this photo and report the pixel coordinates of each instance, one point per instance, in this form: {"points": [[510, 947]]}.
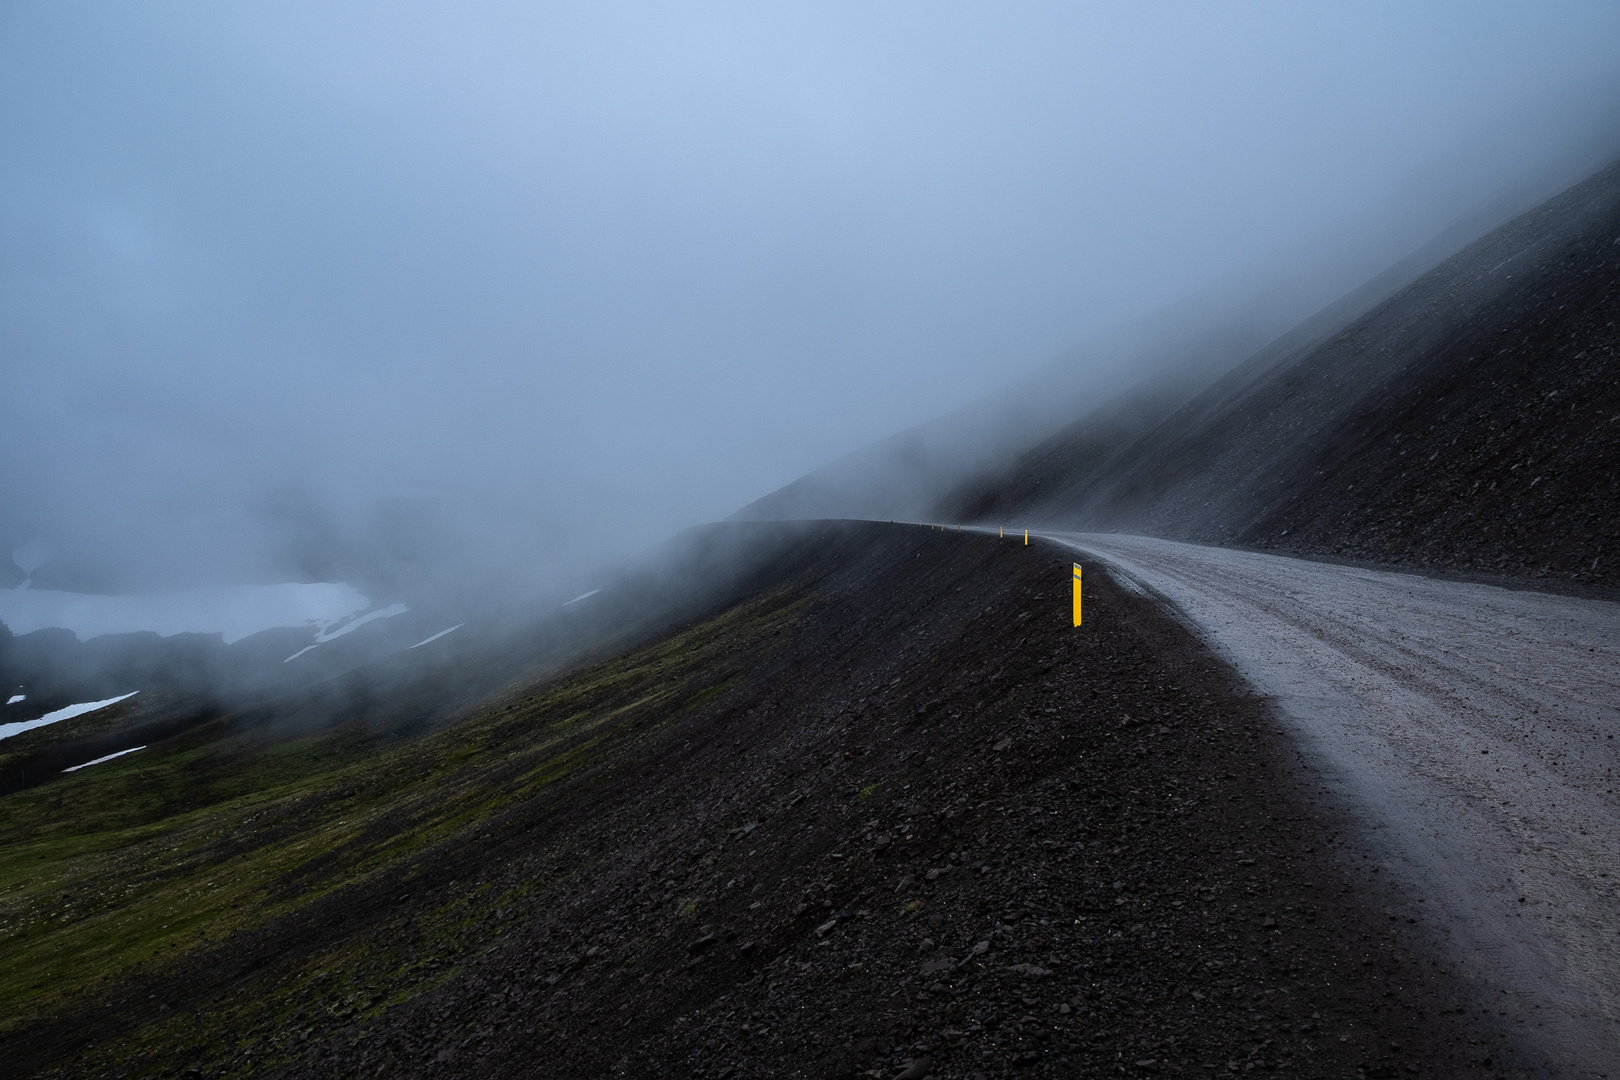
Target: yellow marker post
{"points": [[1077, 594], [1001, 530], [1026, 538]]}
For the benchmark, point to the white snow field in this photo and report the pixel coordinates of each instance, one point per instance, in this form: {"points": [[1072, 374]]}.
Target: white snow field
{"points": [[234, 612]]}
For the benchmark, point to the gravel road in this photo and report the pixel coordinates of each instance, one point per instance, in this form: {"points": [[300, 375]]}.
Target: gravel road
{"points": [[1471, 729]]}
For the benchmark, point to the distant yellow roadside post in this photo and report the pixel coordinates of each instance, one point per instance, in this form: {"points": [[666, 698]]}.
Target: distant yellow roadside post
{"points": [[1026, 538], [1077, 594], [1001, 530]]}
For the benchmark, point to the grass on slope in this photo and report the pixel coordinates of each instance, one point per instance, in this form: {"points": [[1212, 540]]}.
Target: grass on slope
{"points": [[142, 869]]}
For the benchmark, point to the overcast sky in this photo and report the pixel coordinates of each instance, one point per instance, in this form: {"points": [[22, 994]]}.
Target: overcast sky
{"points": [[548, 281]]}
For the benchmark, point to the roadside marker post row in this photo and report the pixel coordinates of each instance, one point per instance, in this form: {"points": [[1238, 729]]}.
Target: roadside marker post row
{"points": [[1001, 531]]}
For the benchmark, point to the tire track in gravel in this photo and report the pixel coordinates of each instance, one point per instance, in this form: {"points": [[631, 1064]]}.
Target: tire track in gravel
{"points": [[1470, 728]]}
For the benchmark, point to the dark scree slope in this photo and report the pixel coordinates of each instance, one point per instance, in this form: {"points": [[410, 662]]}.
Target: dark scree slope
{"points": [[1470, 421]]}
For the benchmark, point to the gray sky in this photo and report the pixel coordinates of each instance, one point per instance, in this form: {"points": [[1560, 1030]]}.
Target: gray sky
{"points": [[288, 285]]}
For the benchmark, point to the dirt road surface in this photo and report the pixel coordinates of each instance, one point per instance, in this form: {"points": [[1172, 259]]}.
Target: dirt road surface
{"points": [[1471, 728]]}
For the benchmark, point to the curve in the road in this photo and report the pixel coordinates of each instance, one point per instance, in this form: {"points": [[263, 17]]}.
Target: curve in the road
{"points": [[1472, 729]]}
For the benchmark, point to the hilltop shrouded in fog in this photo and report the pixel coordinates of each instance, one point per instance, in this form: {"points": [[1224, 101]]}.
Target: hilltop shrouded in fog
{"points": [[430, 299]]}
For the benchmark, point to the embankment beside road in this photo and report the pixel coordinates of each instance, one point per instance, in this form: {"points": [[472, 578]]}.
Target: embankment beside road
{"points": [[888, 806]]}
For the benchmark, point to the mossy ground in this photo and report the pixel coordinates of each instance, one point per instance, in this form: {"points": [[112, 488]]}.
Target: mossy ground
{"points": [[146, 869]]}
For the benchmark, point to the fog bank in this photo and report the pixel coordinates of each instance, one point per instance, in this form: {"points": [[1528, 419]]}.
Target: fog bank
{"points": [[477, 297]]}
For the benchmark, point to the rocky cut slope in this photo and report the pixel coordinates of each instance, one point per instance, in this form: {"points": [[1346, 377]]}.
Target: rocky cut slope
{"points": [[1470, 421]]}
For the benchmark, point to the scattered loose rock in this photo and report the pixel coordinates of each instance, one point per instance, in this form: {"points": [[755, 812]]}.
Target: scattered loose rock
{"points": [[1135, 939]]}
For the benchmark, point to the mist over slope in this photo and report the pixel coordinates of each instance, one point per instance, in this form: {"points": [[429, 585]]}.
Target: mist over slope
{"points": [[381, 682], [1152, 371], [1467, 421], [906, 474], [1057, 443]]}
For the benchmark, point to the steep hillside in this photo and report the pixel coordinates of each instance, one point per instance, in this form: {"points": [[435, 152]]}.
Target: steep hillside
{"points": [[1471, 421], [1123, 384], [389, 687], [889, 810]]}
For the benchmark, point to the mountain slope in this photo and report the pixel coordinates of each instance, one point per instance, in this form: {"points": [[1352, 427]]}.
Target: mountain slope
{"points": [[1125, 382], [768, 843], [402, 692], [1472, 421]]}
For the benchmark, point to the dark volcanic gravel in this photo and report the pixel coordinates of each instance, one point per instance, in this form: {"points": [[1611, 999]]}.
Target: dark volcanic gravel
{"points": [[937, 831]]}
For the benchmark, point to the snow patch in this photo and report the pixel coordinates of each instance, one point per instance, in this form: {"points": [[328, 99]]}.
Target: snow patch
{"points": [[323, 636], [582, 596], [68, 713], [14, 698], [99, 760], [437, 636]]}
